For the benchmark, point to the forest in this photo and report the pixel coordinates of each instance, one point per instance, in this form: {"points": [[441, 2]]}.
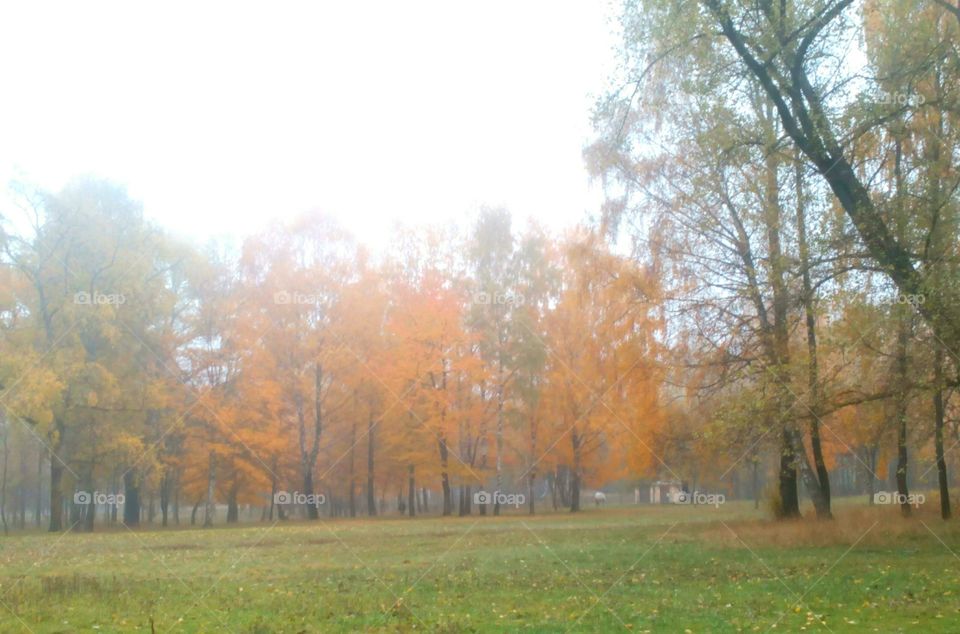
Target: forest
{"points": [[768, 298], [181, 378]]}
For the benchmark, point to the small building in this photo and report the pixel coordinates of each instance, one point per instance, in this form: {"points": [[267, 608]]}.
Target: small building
{"points": [[665, 491]]}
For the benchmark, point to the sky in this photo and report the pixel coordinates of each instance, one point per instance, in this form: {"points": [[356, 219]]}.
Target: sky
{"points": [[222, 117]]}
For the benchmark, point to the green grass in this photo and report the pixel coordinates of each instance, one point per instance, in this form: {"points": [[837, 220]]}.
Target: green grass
{"points": [[656, 569]]}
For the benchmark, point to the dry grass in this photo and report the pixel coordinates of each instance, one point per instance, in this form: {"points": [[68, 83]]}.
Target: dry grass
{"points": [[867, 526]]}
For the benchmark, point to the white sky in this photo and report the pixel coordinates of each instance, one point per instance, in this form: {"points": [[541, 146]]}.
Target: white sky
{"points": [[222, 116]]}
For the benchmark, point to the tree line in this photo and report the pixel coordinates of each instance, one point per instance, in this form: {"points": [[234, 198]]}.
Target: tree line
{"points": [[140, 372]]}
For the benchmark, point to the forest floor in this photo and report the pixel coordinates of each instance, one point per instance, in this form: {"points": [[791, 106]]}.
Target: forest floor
{"points": [[643, 569]]}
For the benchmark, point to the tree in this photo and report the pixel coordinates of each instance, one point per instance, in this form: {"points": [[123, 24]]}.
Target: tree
{"points": [[607, 297]]}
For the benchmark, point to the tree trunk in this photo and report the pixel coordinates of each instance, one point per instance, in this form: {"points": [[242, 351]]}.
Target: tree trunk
{"points": [[23, 491], [164, 498], [903, 334], [779, 346], [822, 480], [233, 509], [813, 378], [871, 477], [575, 480], [789, 499], [88, 510], [938, 408], [3, 477], [412, 491], [312, 511], [371, 502], [531, 488], [176, 500], [811, 484], [499, 487], [444, 476], [56, 481], [38, 507], [273, 489], [131, 498], [114, 508], [308, 452], [532, 469], [211, 484]]}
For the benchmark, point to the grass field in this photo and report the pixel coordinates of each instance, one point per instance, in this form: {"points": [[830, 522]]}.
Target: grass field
{"points": [[643, 569]]}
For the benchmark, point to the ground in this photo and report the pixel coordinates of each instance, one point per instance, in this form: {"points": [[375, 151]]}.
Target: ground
{"points": [[643, 569]]}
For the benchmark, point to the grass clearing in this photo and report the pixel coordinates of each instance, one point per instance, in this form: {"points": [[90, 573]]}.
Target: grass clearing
{"points": [[656, 569]]}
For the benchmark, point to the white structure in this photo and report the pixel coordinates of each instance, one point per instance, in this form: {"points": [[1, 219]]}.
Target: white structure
{"points": [[664, 491]]}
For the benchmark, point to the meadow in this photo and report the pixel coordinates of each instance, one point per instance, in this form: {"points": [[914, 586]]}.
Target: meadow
{"points": [[640, 569]]}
